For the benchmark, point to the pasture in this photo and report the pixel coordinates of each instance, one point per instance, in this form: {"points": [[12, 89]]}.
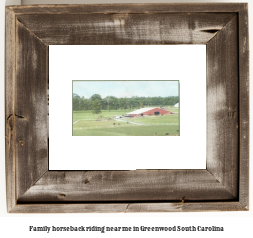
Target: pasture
{"points": [[87, 124]]}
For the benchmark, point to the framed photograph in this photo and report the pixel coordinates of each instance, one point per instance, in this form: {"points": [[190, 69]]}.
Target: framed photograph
{"points": [[119, 93], [140, 104]]}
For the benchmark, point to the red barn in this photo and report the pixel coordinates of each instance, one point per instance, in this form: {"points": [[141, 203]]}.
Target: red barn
{"points": [[149, 111]]}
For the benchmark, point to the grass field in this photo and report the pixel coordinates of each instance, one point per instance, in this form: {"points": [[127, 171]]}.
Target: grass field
{"points": [[87, 124]]}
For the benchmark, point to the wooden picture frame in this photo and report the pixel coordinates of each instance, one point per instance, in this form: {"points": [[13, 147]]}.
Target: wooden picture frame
{"points": [[222, 186]]}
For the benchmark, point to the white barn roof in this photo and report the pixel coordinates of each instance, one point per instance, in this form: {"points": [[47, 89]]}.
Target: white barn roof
{"points": [[141, 110]]}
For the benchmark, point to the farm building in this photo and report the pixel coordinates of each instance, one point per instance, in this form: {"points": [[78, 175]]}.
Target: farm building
{"points": [[176, 105], [148, 111]]}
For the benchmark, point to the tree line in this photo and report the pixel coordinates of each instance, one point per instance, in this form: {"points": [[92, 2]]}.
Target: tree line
{"points": [[114, 103]]}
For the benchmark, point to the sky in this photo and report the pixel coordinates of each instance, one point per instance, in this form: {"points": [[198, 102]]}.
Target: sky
{"points": [[126, 88]]}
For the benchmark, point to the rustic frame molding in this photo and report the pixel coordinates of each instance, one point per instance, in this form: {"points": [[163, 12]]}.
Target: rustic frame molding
{"points": [[223, 186]]}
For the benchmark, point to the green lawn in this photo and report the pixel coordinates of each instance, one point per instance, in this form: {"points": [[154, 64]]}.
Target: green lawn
{"points": [[77, 115], [87, 124]]}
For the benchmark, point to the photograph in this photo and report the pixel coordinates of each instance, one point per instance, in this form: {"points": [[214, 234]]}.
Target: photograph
{"points": [[125, 108]]}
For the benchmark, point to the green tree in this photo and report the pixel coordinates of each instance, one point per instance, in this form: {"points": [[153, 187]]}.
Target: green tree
{"points": [[96, 107], [76, 103], [104, 104], [83, 103], [135, 103], [108, 100], [75, 95], [114, 103], [96, 97], [121, 103]]}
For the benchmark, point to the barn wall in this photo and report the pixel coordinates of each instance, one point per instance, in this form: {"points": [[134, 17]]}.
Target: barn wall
{"points": [[162, 112]]}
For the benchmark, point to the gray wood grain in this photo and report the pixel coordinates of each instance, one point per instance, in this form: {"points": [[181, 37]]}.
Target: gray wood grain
{"points": [[223, 107], [155, 8], [118, 29], [244, 107], [139, 185], [129, 207], [186, 207], [223, 186], [9, 109], [30, 108]]}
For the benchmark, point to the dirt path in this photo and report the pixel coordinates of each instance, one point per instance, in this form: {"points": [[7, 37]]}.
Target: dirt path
{"points": [[136, 123]]}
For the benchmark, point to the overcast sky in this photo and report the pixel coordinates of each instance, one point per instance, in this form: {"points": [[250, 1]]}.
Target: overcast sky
{"points": [[126, 88]]}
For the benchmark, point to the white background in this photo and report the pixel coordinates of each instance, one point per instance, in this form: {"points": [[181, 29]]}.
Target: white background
{"points": [[237, 224], [186, 63]]}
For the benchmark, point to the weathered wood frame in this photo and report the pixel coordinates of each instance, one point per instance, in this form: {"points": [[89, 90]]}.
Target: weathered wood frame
{"points": [[223, 186]]}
